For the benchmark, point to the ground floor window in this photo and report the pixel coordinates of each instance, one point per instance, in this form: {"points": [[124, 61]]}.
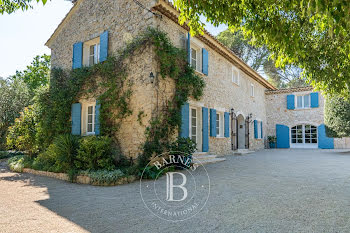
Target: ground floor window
{"points": [[304, 135]]}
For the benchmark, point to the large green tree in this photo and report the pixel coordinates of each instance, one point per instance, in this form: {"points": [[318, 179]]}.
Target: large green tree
{"points": [[10, 6], [259, 59], [337, 117], [312, 34]]}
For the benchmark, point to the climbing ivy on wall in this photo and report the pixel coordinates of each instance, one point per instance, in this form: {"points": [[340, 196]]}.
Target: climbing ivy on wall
{"points": [[114, 93]]}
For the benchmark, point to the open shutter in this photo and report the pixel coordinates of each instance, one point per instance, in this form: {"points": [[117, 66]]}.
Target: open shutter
{"points": [[314, 99], [205, 64], [282, 135], [104, 46], [212, 123], [255, 129], [324, 142], [76, 119], [185, 121], [290, 102], [77, 55], [189, 48], [227, 124], [97, 118], [205, 131], [261, 125]]}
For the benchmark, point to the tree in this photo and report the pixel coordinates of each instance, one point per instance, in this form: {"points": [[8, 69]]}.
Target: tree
{"points": [[337, 117], [259, 59], [37, 74], [312, 35], [10, 6], [14, 97]]}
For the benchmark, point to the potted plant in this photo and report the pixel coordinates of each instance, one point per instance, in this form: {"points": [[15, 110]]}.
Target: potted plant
{"points": [[272, 141]]}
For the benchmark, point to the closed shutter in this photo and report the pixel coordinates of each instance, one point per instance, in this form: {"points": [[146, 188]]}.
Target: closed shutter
{"points": [[290, 102], [314, 99], [324, 142], [104, 46], [205, 131], [282, 135], [227, 124], [212, 123], [76, 119], [261, 125], [97, 118], [185, 121], [189, 48], [255, 129], [77, 55], [205, 60]]}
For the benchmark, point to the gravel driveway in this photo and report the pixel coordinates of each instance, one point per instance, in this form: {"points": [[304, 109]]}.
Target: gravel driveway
{"points": [[267, 191]]}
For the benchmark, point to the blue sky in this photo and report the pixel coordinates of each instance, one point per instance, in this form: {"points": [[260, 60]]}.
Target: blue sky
{"points": [[23, 34]]}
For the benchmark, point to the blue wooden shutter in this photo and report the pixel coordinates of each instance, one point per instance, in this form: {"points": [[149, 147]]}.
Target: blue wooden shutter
{"points": [[227, 124], [97, 118], [314, 99], [324, 142], [290, 102], [255, 129], [77, 55], [282, 135], [205, 131], [262, 135], [212, 122], [76, 119], [185, 121], [205, 64], [104, 46], [189, 48]]}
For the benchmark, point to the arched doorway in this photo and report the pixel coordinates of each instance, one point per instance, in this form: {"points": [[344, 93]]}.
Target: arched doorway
{"points": [[241, 132], [304, 136]]}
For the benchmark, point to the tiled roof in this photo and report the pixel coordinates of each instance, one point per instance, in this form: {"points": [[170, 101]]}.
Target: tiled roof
{"points": [[288, 90]]}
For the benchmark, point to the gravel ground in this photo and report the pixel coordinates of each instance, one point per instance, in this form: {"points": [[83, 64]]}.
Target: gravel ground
{"points": [[267, 191]]}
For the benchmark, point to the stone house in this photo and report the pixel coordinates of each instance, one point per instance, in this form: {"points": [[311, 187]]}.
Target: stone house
{"points": [[238, 110]]}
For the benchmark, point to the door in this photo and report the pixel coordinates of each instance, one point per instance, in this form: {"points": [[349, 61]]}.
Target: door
{"points": [[304, 136]]}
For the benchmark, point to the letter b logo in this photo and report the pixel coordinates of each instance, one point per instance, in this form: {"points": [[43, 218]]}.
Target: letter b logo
{"points": [[170, 186]]}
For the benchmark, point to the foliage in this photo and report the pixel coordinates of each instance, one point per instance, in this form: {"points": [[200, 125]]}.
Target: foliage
{"points": [[183, 145], [22, 135], [271, 138], [8, 154], [104, 176], [10, 6], [259, 59], [337, 117], [37, 74], [152, 172], [14, 97], [312, 35], [95, 153], [16, 163]]}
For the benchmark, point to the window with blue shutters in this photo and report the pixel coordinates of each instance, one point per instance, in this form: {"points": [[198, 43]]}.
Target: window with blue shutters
{"points": [[290, 102], [314, 99], [258, 130], [212, 123]]}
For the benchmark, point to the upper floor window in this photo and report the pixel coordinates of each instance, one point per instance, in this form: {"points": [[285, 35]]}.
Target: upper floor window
{"points": [[194, 58], [303, 101], [235, 75], [252, 90], [94, 56], [91, 52]]}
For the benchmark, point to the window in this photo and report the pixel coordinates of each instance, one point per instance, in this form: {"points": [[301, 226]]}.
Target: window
{"points": [[194, 58], [303, 101], [235, 75], [219, 125], [259, 129], [252, 94], [304, 134], [90, 120], [94, 55], [193, 126]]}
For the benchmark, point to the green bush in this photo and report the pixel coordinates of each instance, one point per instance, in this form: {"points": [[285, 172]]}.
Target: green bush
{"points": [[183, 145], [60, 156], [337, 117], [16, 163], [104, 176], [22, 135], [94, 153]]}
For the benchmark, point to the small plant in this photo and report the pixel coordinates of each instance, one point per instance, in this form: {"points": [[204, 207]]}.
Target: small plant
{"points": [[104, 176], [94, 153], [272, 141], [16, 163]]}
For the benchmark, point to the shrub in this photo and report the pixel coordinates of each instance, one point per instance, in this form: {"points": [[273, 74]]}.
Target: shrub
{"points": [[60, 156], [337, 117], [95, 152], [184, 145], [22, 135], [16, 163], [104, 176]]}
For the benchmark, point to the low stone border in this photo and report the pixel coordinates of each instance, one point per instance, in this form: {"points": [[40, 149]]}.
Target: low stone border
{"points": [[80, 179]]}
